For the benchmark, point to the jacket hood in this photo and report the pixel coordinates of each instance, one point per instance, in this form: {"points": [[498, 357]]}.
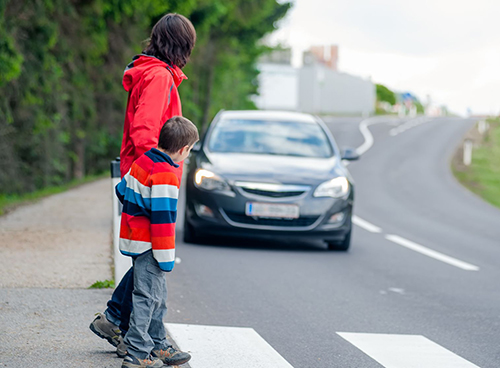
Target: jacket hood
{"points": [[143, 63]]}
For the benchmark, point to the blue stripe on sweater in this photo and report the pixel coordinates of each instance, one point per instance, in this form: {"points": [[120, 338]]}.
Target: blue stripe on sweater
{"points": [[130, 254], [164, 204], [132, 196], [167, 266], [120, 190]]}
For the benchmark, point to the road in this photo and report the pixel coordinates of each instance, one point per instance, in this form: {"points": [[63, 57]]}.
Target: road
{"points": [[423, 264]]}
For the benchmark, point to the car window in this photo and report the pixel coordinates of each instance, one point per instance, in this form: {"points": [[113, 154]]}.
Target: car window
{"points": [[270, 137]]}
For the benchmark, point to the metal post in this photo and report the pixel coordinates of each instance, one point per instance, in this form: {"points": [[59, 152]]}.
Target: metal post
{"points": [[121, 262], [467, 152], [482, 127]]}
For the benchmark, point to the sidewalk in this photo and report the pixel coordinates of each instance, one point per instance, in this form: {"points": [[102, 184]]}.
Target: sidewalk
{"points": [[51, 252]]}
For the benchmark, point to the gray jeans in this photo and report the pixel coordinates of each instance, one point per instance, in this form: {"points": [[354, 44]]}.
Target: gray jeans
{"points": [[147, 331]]}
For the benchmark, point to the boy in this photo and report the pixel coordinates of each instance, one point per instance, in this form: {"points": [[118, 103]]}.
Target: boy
{"points": [[149, 193]]}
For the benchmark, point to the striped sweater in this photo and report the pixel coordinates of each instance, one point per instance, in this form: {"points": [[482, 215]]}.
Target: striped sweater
{"points": [[149, 193]]}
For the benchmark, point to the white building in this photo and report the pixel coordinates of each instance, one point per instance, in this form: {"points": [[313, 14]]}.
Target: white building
{"points": [[314, 88]]}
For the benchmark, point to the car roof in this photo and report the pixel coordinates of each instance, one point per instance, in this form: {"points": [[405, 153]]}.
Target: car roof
{"points": [[268, 115]]}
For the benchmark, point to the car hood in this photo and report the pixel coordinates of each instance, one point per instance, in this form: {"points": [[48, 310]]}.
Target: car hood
{"points": [[270, 168]]}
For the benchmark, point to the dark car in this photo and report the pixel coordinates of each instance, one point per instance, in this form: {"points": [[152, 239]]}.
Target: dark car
{"points": [[268, 174]]}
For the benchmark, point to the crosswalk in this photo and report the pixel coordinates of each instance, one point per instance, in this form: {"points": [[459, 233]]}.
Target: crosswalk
{"points": [[242, 347]]}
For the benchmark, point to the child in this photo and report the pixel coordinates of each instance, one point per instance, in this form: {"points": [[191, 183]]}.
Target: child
{"points": [[149, 193]]}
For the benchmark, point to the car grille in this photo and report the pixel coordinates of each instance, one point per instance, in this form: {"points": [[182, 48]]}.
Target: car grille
{"points": [[267, 193], [299, 222]]}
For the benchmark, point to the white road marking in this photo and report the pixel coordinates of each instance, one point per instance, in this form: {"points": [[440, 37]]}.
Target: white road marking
{"points": [[397, 290], [367, 135], [215, 346], [408, 125], [405, 351], [365, 225], [431, 253], [368, 143]]}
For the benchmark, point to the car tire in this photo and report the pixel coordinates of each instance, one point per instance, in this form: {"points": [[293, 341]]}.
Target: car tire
{"points": [[189, 235], [342, 245]]}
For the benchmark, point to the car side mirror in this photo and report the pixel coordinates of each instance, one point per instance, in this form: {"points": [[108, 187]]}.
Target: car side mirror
{"points": [[350, 154], [196, 147]]}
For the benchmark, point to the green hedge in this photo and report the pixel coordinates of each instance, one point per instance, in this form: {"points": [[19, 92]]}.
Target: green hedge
{"points": [[61, 64]]}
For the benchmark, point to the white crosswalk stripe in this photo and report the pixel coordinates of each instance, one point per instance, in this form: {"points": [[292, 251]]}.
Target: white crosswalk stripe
{"points": [[405, 351], [215, 346]]}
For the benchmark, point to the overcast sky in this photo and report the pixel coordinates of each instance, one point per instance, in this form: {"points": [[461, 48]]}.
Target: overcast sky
{"points": [[448, 49]]}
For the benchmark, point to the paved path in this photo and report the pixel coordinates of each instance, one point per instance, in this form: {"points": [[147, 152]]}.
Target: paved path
{"points": [[63, 241], [51, 252]]}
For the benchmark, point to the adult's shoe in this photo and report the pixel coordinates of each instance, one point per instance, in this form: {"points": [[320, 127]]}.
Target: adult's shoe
{"points": [[121, 349], [106, 330]]}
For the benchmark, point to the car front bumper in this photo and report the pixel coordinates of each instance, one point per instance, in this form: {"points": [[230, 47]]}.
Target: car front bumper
{"points": [[228, 217]]}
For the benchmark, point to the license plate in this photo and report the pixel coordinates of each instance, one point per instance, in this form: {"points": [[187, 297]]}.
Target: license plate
{"points": [[290, 211]]}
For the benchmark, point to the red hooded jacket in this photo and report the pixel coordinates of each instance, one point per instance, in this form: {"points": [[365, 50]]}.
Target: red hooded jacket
{"points": [[153, 99]]}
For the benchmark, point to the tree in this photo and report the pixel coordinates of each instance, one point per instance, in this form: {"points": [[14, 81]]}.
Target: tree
{"points": [[61, 64], [223, 61], [384, 94]]}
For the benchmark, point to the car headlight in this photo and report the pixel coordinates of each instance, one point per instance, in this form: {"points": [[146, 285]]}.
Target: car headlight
{"points": [[336, 188], [210, 181]]}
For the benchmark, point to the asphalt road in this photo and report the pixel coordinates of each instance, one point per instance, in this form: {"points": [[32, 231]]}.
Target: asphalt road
{"points": [[298, 296]]}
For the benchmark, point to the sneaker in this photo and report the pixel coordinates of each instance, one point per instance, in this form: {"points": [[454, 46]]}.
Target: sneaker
{"points": [[131, 361], [171, 356], [106, 330], [121, 349]]}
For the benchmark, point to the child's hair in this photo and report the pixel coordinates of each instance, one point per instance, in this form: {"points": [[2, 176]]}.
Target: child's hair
{"points": [[172, 40], [176, 133]]}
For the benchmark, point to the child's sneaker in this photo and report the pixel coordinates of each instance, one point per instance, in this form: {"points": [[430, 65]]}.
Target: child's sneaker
{"points": [[171, 356], [106, 330], [131, 361]]}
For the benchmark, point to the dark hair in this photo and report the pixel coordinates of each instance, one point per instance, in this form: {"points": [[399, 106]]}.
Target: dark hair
{"points": [[176, 133], [172, 40]]}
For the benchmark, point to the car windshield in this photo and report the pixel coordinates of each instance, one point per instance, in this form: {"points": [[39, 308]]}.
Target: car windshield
{"points": [[286, 138]]}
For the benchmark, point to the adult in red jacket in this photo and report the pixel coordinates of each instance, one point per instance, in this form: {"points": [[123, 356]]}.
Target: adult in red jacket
{"points": [[151, 80], [153, 99]]}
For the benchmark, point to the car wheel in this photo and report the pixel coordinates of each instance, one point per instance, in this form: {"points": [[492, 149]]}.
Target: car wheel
{"points": [[342, 245], [189, 235]]}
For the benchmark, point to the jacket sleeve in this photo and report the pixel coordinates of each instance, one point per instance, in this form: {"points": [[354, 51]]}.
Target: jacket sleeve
{"points": [[153, 102], [164, 196]]}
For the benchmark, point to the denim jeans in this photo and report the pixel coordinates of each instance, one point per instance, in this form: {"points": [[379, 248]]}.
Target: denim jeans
{"points": [[120, 304], [146, 331]]}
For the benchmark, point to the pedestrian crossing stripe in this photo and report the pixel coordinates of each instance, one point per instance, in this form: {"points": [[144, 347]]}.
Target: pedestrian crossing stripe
{"points": [[405, 351], [216, 346]]}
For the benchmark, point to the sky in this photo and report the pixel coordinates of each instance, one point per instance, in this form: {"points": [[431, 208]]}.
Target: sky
{"points": [[446, 49]]}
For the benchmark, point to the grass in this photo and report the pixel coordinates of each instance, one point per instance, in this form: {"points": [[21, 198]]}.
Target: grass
{"points": [[9, 202], [483, 175], [106, 284]]}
